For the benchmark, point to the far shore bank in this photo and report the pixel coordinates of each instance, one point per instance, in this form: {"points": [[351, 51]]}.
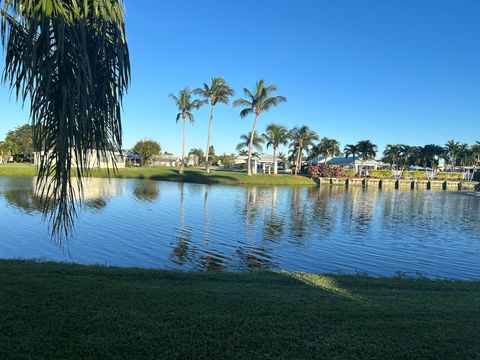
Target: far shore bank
{"points": [[229, 177], [52, 310], [191, 175]]}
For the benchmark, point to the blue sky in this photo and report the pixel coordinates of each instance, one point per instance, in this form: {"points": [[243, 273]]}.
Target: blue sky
{"points": [[399, 71]]}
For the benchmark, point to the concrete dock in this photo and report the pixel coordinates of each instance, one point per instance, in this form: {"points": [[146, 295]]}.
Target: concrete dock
{"points": [[399, 184]]}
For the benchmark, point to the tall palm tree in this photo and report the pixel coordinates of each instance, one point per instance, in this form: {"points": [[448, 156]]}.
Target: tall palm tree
{"points": [[302, 138], [366, 150], [217, 92], [72, 63], [452, 149], [430, 153], [247, 139], [476, 152], [405, 152], [328, 148], [351, 149], [276, 135], [257, 102], [185, 105], [392, 153]]}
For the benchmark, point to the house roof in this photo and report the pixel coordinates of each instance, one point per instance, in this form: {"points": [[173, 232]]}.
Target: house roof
{"points": [[342, 160], [267, 158], [165, 157]]}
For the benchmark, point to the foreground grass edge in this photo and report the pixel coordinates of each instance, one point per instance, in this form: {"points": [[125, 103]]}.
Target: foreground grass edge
{"points": [[67, 310]]}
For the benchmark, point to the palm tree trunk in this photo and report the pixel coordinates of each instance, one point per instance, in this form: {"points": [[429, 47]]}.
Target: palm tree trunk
{"points": [[250, 145], [275, 164], [299, 159], [182, 165], [207, 164]]}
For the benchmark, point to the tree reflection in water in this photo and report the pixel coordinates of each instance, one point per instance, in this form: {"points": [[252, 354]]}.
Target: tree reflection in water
{"points": [[146, 191], [299, 212], [181, 250], [274, 224], [26, 196], [200, 227]]}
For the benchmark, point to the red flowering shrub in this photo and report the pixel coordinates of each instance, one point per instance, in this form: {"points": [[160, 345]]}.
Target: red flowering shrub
{"points": [[326, 171]]}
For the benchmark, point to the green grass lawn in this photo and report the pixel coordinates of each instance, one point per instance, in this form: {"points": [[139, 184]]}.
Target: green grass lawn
{"points": [[172, 174], [68, 311]]}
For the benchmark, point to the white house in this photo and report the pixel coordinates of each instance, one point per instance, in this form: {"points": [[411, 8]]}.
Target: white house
{"points": [[94, 159], [262, 163]]}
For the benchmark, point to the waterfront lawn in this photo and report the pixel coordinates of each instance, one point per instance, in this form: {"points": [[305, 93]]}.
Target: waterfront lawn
{"points": [[69, 311], [192, 175]]}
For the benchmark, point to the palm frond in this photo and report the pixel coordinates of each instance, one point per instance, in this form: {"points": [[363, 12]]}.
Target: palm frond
{"points": [[245, 112], [73, 64]]}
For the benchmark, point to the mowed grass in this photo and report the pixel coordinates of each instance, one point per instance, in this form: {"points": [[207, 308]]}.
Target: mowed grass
{"points": [[191, 175], [69, 311]]}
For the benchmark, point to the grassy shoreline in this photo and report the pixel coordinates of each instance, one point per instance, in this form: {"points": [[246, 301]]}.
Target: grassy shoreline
{"points": [[192, 175], [72, 311]]}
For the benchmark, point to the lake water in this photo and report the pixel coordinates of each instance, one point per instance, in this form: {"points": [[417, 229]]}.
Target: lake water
{"points": [[213, 227]]}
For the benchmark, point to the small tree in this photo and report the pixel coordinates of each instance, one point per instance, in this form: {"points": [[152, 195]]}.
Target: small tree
{"points": [[199, 155], [227, 161], [146, 149]]}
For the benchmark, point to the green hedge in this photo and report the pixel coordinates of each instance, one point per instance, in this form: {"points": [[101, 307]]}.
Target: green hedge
{"points": [[421, 175], [350, 173], [449, 176], [381, 174]]}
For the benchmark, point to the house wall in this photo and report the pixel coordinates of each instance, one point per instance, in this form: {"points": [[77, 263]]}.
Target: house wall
{"points": [[92, 161]]}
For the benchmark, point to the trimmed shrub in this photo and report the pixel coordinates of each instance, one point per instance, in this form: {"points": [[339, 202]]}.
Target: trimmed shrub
{"points": [[326, 171], [381, 174], [349, 173], [449, 176], [420, 175]]}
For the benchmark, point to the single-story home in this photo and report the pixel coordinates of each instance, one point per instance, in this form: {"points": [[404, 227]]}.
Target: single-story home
{"points": [[262, 163], [350, 163], [94, 159]]}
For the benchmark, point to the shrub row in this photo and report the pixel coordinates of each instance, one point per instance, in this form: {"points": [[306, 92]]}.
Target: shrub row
{"points": [[327, 171]]}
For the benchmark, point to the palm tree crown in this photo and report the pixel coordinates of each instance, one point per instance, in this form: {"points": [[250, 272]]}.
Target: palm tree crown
{"points": [[392, 153], [327, 148], [350, 149], [366, 149], [185, 104], [245, 141], [302, 138], [259, 100], [217, 92], [452, 149], [276, 135]]}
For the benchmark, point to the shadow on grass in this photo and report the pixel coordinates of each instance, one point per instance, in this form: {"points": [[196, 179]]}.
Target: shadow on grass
{"points": [[112, 313], [194, 176]]}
